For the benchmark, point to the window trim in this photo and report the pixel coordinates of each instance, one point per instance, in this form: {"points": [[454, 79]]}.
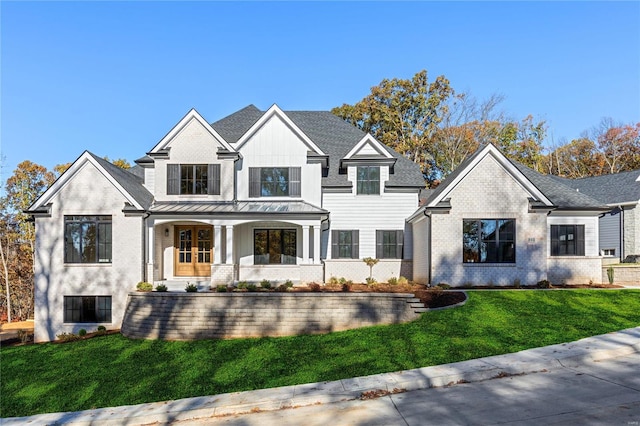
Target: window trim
{"points": [[354, 246], [498, 241], [103, 249], [364, 186], [555, 242], [108, 316]]}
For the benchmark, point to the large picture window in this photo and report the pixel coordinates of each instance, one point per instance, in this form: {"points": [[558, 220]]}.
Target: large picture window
{"points": [[344, 244], [274, 182], [87, 308], [389, 244], [274, 246], [87, 239], [567, 240], [368, 180], [193, 179], [489, 241]]}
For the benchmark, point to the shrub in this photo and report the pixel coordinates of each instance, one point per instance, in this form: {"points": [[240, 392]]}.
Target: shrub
{"points": [[23, 335], [403, 280], [610, 272], [393, 281], [333, 281], [67, 337], [265, 284], [371, 262], [346, 286], [371, 280], [82, 332], [342, 280], [288, 284], [191, 288], [544, 284], [144, 286], [161, 288], [242, 285], [444, 286], [282, 288], [221, 288], [252, 287], [314, 287], [102, 330], [516, 283]]}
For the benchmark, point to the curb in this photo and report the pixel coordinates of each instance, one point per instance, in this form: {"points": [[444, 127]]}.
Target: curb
{"points": [[565, 355]]}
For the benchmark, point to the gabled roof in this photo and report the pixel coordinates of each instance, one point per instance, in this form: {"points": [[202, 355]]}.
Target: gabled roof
{"points": [[334, 136], [128, 184], [191, 115], [619, 188]]}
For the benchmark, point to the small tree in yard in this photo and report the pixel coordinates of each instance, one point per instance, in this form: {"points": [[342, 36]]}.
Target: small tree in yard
{"points": [[371, 262]]}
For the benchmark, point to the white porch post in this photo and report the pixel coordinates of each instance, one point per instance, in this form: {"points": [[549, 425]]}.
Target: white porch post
{"points": [[217, 244], [316, 244], [305, 244], [150, 250], [229, 245]]}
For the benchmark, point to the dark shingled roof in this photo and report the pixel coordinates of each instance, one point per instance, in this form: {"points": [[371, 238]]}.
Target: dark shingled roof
{"points": [[129, 181], [610, 189], [555, 189], [334, 136]]}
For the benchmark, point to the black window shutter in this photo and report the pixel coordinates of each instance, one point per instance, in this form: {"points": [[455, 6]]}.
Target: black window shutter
{"points": [[213, 184], [580, 240], [379, 240], [335, 237], [254, 182], [554, 240], [173, 179], [399, 243], [355, 244], [294, 182]]}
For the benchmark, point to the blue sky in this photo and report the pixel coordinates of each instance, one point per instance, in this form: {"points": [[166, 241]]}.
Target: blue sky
{"points": [[114, 77]]}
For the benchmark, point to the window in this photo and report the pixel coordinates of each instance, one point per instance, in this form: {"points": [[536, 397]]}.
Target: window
{"points": [[193, 179], [274, 181], [609, 252], [344, 244], [87, 239], [489, 241], [567, 240], [274, 246], [389, 244], [368, 180], [87, 308]]}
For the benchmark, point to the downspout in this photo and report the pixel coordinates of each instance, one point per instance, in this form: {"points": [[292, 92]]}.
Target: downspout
{"points": [[144, 247], [429, 254], [324, 269], [622, 253]]}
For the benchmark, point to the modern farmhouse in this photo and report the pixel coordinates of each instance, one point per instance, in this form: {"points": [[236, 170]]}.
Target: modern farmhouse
{"points": [[293, 195]]}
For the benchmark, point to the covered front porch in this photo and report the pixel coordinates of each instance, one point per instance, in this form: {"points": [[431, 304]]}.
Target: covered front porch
{"points": [[215, 249]]}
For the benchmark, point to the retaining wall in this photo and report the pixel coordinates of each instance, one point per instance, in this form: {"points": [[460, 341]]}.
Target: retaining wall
{"points": [[189, 316], [622, 274]]}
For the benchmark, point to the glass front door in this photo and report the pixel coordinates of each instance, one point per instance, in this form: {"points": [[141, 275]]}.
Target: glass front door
{"points": [[193, 251]]}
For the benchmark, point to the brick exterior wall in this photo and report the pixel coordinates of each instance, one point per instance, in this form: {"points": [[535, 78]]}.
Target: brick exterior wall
{"points": [[358, 271], [188, 316], [575, 270]]}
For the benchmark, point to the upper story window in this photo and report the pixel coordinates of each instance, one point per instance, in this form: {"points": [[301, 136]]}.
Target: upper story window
{"points": [[87, 239], [489, 241], [193, 179], [274, 182], [368, 180], [567, 240]]}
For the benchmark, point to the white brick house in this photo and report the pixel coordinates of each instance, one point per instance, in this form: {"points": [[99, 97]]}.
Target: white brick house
{"points": [[275, 195], [493, 221]]}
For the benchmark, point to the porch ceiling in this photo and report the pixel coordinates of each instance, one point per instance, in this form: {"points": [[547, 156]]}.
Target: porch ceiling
{"points": [[240, 207]]}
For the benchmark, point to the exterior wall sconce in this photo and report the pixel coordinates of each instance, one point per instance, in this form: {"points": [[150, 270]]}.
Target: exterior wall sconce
{"points": [[166, 232]]}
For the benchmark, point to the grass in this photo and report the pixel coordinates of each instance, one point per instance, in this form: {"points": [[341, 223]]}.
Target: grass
{"points": [[113, 370]]}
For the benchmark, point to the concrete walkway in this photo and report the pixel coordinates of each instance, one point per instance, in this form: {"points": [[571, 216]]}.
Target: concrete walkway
{"points": [[338, 392]]}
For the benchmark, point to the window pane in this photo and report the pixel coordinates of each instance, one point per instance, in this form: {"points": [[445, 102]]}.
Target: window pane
{"points": [[368, 180], [186, 179], [488, 240], [470, 244], [88, 239], [261, 254], [274, 181], [201, 179]]}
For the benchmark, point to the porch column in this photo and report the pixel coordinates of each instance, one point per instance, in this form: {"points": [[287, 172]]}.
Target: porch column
{"points": [[150, 242], [217, 244], [229, 245], [316, 244], [305, 244]]}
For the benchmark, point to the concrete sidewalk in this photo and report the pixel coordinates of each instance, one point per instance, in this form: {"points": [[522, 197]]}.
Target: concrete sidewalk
{"points": [[572, 354]]}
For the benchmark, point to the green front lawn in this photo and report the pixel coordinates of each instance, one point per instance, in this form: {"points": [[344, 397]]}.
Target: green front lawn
{"points": [[113, 370]]}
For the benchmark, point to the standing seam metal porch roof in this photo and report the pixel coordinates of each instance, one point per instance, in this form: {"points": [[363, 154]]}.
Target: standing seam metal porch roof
{"points": [[240, 207]]}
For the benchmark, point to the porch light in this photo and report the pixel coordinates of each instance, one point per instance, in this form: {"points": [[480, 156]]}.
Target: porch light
{"points": [[166, 232]]}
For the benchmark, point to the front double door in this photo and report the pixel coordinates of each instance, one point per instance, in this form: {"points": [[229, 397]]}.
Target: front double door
{"points": [[193, 251]]}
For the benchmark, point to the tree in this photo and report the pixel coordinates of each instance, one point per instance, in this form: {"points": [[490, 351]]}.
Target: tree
{"points": [[403, 114], [577, 159], [17, 236], [620, 145]]}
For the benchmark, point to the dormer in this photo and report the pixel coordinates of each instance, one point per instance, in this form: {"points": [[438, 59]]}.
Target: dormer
{"points": [[368, 165]]}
